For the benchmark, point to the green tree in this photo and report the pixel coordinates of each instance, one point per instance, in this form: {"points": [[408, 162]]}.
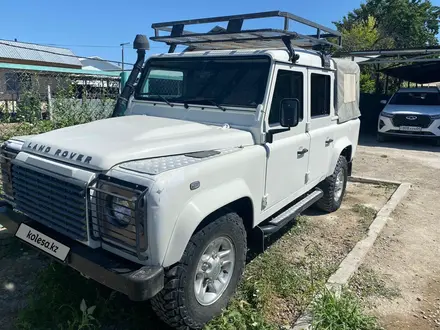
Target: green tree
{"points": [[408, 23], [362, 34]]}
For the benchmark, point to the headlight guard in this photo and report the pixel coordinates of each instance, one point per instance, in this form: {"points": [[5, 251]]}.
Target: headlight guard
{"points": [[117, 214]]}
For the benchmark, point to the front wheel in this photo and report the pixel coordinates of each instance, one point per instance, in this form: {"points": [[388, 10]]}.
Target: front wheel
{"points": [[200, 286], [334, 187]]}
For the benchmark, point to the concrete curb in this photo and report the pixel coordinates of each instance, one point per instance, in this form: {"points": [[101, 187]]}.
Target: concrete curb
{"points": [[361, 179], [356, 256]]}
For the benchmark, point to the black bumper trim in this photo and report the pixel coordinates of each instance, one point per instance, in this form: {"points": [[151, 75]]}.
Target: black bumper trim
{"points": [[137, 282]]}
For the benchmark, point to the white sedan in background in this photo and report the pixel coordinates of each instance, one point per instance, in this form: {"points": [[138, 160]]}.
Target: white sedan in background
{"points": [[411, 112]]}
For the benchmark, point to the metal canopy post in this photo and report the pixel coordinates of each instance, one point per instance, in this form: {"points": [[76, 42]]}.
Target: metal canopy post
{"points": [[235, 37], [386, 84]]}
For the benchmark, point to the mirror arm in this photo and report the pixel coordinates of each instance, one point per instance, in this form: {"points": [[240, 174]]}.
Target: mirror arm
{"points": [[271, 132]]}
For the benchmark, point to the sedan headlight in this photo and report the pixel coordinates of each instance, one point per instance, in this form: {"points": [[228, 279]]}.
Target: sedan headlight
{"points": [[119, 214], [435, 117], [386, 114]]}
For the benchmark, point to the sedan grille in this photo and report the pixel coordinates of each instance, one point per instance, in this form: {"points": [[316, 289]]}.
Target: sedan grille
{"points": [[422, 121], [51, 201]]}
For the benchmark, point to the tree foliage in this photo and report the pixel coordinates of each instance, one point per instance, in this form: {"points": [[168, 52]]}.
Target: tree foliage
{"points": [[363, 34], [398, 23]]}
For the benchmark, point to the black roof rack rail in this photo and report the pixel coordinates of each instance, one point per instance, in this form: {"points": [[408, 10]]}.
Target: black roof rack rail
{"points": [[234, 37]]}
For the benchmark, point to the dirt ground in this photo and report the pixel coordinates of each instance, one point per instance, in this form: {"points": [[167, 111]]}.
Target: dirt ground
{"points": [[19, 266], [408, 250], [324, 243]]}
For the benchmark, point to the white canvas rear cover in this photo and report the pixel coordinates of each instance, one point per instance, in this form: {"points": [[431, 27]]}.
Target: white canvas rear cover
{"points": [[347, 89]]}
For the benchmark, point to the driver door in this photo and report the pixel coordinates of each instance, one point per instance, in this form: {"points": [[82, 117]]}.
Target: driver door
{"points": [[288, 154]]}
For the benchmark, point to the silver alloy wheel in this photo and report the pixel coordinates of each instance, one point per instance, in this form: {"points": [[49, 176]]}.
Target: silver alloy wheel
{"points": [[214, 271], [339, 185]]}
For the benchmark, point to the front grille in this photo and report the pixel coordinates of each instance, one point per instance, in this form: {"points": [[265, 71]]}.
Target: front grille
{"points": [[51, 201], [420, 120]]}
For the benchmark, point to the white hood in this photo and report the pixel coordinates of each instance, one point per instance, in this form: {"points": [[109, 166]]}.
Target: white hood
{"points": [[105, 143]]}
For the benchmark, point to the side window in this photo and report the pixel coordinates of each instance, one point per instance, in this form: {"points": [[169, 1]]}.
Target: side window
{"points": [[320, 95], [289, 85]]}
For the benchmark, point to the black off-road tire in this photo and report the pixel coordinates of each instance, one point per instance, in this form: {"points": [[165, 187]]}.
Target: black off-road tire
{"points": [[327, 202], [176, 304]]}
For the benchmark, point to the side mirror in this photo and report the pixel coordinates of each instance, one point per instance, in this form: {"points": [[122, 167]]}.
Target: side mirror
{"points": [[384, 102], [289, 116]]}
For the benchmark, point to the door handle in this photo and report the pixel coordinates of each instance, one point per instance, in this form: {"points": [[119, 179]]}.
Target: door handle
{"points": [[302, 151], [328, 141]]}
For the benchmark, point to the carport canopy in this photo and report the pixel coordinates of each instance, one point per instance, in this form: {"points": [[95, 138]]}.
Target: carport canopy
{"points": [[418, 65], [421, 73]]}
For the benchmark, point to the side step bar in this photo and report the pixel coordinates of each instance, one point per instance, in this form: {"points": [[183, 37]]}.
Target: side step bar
{"points": [[291, 213]]}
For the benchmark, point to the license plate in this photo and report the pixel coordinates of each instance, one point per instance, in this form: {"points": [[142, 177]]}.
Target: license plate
{"points": [[42, 242], [410, 128]]}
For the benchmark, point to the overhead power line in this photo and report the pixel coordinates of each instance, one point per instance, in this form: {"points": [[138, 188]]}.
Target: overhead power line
{"points": [[60, 54], [81, 46]]}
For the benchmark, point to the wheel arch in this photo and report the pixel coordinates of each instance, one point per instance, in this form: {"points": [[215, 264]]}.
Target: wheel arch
{"points": [[203, 209], [343, 147]]}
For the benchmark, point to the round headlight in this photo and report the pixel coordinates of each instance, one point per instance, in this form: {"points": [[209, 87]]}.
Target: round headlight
{"points": [[121, 211]]}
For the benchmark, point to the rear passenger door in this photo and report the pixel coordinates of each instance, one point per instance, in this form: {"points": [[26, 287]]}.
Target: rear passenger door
{"points": [[321, 123]]}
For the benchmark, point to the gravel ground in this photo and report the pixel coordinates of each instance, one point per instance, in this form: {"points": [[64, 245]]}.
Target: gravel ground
{"points": [[407, 252]]}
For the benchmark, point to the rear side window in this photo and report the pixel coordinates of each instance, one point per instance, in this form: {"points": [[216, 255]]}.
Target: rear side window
{"points": [[289, 85], [320, 95]]}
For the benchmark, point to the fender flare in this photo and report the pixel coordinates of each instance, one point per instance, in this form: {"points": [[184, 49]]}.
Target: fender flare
{"points": [[196, 210], [340, 145]]}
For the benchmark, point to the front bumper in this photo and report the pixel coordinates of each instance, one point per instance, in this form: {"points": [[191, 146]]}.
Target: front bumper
{"points": [[386, 127], [137, 282]]}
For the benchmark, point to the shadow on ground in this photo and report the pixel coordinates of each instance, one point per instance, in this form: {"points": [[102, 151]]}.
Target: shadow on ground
{"points": [[369, 140]]}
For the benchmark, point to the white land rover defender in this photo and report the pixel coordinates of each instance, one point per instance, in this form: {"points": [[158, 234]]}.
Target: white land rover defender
{"points": [[211, 149]]}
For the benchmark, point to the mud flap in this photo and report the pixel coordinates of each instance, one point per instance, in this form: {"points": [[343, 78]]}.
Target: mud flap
{"points": [[257, 240]]}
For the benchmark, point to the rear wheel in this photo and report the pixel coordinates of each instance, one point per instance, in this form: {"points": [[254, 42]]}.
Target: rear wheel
{"points": [[334, 187], [200, 286]]}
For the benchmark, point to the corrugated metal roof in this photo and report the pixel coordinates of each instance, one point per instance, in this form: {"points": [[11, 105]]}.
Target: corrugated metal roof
{"points": [[26, 67], [15, 50]]}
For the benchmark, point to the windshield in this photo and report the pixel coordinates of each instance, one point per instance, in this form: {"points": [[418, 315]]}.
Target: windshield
{"points": [[220, 81], [416, 98]]}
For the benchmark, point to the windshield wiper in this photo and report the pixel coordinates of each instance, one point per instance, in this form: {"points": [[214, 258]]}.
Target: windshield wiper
{"points": [[164, 99], [185, 103], [217, 105]]}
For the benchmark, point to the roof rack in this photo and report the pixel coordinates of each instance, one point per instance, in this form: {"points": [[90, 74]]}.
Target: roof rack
{"points": [[234, 37]]}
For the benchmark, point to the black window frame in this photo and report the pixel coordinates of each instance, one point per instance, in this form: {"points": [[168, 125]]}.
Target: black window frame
{"points": [[301, 100], [327, 95]]}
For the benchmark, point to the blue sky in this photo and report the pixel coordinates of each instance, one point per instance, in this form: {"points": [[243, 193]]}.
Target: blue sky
{"points": [[109, 23]]}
